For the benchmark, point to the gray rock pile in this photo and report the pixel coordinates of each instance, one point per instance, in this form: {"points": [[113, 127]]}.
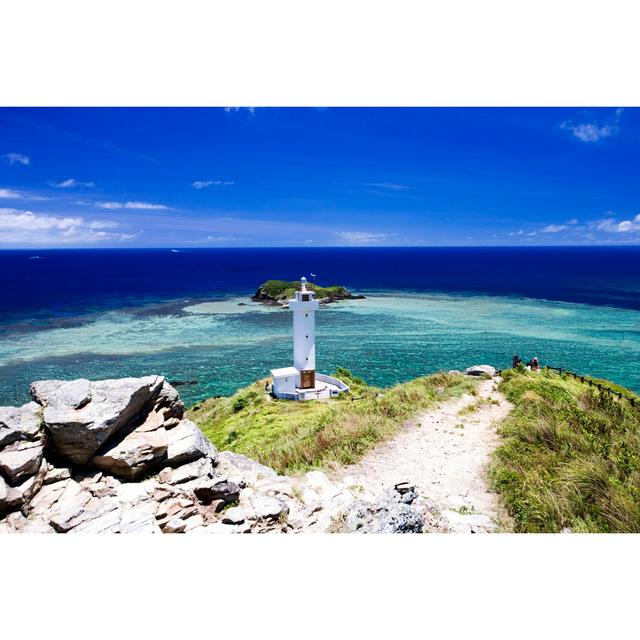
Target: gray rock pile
{"points": [[118, 456], [391, 513]]}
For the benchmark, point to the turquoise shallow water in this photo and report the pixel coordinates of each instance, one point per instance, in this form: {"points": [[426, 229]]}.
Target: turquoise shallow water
{"points": [[390, 337]]}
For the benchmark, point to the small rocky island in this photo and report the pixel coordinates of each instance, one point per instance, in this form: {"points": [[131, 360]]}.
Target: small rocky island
{"points": [[278, 292]]}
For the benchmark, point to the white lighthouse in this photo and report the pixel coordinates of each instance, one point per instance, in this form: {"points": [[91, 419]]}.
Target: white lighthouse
{"points": [[301, 382], [304, 306]]}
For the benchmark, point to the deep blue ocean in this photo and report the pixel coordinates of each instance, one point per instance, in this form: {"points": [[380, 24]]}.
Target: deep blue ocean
{"points": [[186, 313]]}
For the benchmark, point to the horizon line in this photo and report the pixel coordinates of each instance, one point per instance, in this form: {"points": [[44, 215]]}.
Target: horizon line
{"points": [[417, 246]]}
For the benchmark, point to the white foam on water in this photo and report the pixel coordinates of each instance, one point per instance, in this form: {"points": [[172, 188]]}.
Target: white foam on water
{"points": [[436, 324], [230, 306]]}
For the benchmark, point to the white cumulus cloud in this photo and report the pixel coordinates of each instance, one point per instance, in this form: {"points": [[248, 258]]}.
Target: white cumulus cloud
{"points": [[71, 183], [612, 225], [26, 227], [361, 237], [554, 228], [594, 131], [17, 158], [131, 204], [203, 184], [9, 193]]}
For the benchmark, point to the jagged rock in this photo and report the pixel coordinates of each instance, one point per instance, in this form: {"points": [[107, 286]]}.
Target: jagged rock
{"points": [[234, 515], [88, 478], [175, 525], [140, 519], [81, 415], [266, 508], [4, 490], [278, 485], [70, 507], [193, 522], [212, 489], [22, 494], [14, 523], [135, 493], [137, 452], [37, 526], [481, 370], [100, 516], [175, 509], [310, 498], [196, 470], [162, 493], [186, 443], [169, 405], [454, 372], [468, 522], [20, 460], [242, 470], [44, 500], [221, 527], [17, 423], [77, 510], [407, 493], [55, 474], [319, 483]]}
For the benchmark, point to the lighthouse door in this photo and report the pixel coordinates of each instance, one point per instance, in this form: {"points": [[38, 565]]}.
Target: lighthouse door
{"points": [[307, 379]]}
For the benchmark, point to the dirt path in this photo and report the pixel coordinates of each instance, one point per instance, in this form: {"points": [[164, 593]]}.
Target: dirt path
{"points": [[444, 453]]}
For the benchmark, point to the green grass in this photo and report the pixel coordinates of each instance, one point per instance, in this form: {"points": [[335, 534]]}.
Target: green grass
{"points": [[284, 290], [570, 456], [297, 436]]}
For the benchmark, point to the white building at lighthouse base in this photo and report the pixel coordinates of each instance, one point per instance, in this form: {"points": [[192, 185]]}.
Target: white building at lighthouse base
{"points": [[285, 386]]}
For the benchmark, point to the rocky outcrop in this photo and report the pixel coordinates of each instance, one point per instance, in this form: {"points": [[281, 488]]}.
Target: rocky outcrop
{"points": [[481, 370], [80, 415], [118, 456], [18, 423]]}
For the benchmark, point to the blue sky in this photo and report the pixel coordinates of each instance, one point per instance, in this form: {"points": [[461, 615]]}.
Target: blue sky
{"points": [[233, 177]]}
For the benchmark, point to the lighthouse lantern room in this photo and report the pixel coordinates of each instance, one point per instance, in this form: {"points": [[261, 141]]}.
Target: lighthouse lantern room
{"points": [[301, 382]]}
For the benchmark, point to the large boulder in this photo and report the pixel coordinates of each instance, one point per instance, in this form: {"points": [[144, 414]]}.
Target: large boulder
{"points": [[136, 452], [481, 370], [20, 460], [81, 415], [18, 423], [186, 443]]}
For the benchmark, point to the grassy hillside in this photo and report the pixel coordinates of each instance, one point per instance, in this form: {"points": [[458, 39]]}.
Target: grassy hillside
{"points": [[296, 436], [570, 458]]}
